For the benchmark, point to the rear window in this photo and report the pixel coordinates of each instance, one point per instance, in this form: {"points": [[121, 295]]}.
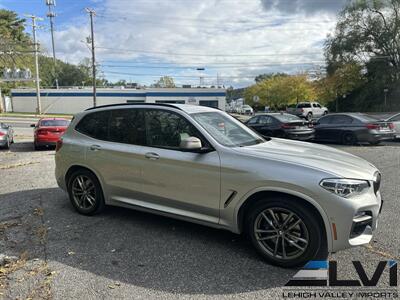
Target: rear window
{"points": [[303, 105], [366, 118], [95, 125], [287, 118], [54, 123]]}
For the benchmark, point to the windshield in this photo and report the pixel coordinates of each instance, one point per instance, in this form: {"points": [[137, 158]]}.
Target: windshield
{"points": [[54, 123], [227, 130]]}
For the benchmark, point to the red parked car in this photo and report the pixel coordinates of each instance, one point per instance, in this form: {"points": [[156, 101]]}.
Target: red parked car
{"points": [[48, 131]]}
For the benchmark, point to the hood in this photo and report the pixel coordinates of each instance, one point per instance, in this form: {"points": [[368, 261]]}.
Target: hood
{"points": [[327, 159]]}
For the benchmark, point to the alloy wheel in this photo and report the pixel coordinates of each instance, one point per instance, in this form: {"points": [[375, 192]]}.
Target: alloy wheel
{"points": [[84, 192], [281, 233]]}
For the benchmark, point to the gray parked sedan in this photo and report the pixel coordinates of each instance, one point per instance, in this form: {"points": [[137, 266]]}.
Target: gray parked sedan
{"points": [[6, 136], [295, 201]]}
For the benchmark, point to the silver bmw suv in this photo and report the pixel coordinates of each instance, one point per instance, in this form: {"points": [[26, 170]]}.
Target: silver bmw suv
{"points": [[295, 201]]}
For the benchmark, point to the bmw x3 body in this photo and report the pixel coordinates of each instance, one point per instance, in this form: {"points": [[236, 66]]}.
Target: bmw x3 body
{"points": [[296, 201]]}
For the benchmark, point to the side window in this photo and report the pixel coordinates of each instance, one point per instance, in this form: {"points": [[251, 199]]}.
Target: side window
{"points": [[318, 105], [314, 105], [95, 125], [166, 129], [127, 126], [325, 120], [253, 121], [342, 120], [265, 120]]}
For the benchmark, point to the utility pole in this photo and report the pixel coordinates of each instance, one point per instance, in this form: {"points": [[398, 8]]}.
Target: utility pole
{"points": [[37, 80], [51, 15], [91, 14]]}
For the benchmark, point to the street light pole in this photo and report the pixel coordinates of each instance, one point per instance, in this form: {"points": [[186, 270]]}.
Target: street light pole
{"points": [[385, 91], [51, 15], [91, 14]]}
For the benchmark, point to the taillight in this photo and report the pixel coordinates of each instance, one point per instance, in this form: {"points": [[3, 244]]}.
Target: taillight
{"points": [[372, 126], [391, 125], [302, 109], [42, 131], [59, 144], [287, 126], [2, 133]]}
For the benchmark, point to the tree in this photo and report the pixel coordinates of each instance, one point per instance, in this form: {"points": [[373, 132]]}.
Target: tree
{"points": [[164, 82], [367, 36], [278, 91]]}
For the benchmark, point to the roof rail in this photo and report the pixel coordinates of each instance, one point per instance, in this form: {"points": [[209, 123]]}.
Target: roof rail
{"points": [[133, 104]]}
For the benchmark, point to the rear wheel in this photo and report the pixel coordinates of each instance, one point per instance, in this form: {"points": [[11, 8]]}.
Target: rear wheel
{"points": [[309, 116], [284, 232], [85, 192], [349, 138]]}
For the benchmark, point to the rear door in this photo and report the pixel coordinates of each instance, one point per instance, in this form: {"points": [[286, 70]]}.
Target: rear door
{"points": [[114, 150], [179, 182]]}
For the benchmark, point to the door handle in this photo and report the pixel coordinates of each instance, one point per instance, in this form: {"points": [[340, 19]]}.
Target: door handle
{"points": [[152, 155], [95, 148]]}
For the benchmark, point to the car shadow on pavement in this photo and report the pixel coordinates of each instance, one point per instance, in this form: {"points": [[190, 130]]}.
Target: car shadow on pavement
{"points": [[136, 248]]}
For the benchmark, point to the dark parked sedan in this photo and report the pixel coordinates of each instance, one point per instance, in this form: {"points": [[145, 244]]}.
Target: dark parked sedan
{"points": [[282, 125], [352, 128]]}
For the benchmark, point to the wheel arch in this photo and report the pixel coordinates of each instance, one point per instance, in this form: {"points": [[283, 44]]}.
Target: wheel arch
{"points": [[74, 168], [264, 194]]}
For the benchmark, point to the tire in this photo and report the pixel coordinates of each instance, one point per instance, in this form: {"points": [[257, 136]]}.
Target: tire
{"points": [[308, 229], [348, 138], [85, 192], [309, 116], [325, 113]]}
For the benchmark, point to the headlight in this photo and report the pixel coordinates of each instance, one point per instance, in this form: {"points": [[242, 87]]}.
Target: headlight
{"points": [[345, 187]]}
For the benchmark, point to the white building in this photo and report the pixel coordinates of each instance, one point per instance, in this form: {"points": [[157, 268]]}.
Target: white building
{"points": [[71, 101]]}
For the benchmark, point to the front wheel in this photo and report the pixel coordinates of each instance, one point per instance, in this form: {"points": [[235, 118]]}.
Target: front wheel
{"points": [[85, 192], [284, 232]]}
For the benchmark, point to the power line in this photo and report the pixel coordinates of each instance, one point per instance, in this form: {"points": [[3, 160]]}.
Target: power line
{"points": [[214, 67], [202, 54]]}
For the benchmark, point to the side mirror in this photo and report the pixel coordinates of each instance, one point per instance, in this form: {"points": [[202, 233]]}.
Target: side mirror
{"points": [[33, 125], [190, 143]]}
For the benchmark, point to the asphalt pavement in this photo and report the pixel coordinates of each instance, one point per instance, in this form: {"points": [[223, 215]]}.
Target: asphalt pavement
{"points": [[56, 253]]}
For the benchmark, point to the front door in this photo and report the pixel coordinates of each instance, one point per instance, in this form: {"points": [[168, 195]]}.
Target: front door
{"points": [[179, 182]]}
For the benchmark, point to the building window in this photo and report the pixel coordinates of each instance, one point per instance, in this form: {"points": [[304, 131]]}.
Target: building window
{"points": [[171, 101], [209, 103], [134, 101]]}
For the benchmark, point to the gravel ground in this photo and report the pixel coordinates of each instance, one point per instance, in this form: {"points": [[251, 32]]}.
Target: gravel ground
{"points": [[59, 254]]}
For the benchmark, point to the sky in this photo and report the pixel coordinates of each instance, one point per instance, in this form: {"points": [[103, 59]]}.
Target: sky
{"points": [[232, 40]]}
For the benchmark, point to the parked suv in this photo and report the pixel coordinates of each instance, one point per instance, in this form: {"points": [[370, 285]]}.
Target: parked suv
{"points": [[295, 201], [308, 110]]}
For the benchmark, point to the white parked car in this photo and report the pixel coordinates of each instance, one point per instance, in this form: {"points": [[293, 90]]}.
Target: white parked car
{"points": [[308, 110], [247, 110]]}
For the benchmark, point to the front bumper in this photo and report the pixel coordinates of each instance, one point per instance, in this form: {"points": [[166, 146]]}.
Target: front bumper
{"points": [[354, 219]]}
